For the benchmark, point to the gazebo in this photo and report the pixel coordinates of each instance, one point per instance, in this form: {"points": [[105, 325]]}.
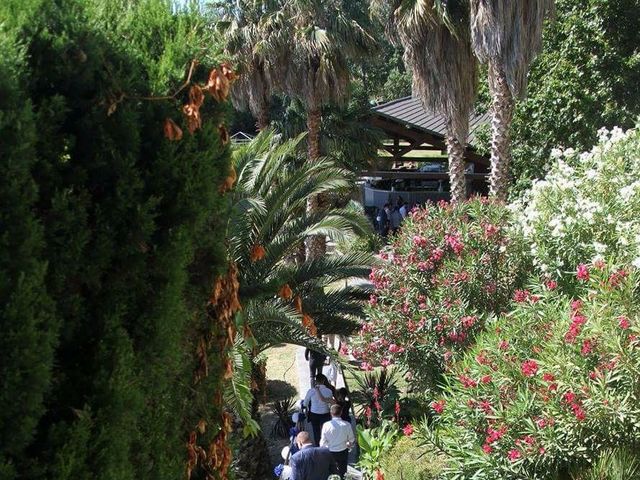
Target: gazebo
{"points": [[412, 164]]}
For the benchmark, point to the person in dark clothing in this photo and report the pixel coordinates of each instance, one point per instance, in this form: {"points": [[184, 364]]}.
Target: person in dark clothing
{"points": [[311, 463], [316, 362], [342, 399]]}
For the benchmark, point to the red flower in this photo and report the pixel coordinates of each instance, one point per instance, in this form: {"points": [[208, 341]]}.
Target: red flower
{"points": [[529, 368], [551, 284], [486, 448], [587, 347], [521, 296], [582, 272], [438, 406], [503, 345], [379, 475], [485, 379], [569, 397], [548, 377], [397, 408], [408, 430], [513, 454], [624, 322]]}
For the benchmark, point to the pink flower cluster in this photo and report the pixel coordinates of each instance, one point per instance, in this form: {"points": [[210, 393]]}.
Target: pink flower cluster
{"points": [[574, 403], [582, 272], [529, 368], [438, 406], [454, 243], [577, 322]]}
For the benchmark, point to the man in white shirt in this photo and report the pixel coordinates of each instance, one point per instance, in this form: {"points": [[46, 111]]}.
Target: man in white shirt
{"points": [[317, 402], [337, 436]]}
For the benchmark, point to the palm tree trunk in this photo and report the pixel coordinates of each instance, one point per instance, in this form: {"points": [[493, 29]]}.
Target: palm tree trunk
{"points": [[316, 245], [262, 118], [456, 167], [502, 115]]}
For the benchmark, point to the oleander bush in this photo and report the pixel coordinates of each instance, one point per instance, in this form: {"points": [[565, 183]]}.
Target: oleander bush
{"points": [[548, 387], [586, 209], [450, 269]]}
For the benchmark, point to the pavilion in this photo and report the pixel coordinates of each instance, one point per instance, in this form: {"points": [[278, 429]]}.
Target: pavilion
{"points": [[412, 163]]}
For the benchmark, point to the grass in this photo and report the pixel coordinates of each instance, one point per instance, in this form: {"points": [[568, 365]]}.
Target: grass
{"points": [[282, 383]]}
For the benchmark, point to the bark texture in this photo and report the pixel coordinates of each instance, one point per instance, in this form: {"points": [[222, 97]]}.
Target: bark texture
{"points": [[316, 244], [503, 106], [457, 178], [262, 118]]}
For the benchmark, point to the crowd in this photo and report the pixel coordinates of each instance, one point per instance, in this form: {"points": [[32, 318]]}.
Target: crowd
{"points": [[389, 218], [328, 410]]}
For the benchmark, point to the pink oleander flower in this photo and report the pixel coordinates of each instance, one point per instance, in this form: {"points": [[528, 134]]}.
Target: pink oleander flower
{"points": [[366, 366], [438, 406], [624, 322], [582, 272], [529, 368], [551, 284], [503, 345], [373, 300], [514, 454], [408, 430], [397, 408], [521, 296], [419, 241], [587, 347], [485, 379], [486, 448], [548, 377]]}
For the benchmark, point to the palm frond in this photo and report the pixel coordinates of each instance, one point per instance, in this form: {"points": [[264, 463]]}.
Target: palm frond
{"points": [[237, 390]]}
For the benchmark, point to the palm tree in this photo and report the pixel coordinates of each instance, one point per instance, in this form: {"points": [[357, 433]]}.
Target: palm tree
{"points": [[507, 36], [251, 30], [321, 39], [283, 300], [435, 37]]}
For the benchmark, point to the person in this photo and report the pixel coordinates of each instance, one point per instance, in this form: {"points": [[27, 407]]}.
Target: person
{"points": [[317, 402], [396, 219], [331, 372], [404, 210], [383, 220], [342, 399], [311, 463], [316, 362], [337, 436], [387, 215]]}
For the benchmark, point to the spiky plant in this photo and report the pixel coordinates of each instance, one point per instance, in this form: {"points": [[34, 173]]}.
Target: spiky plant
{"points": [[283, 409], [507, 36], [283, 299], [435, 38]]}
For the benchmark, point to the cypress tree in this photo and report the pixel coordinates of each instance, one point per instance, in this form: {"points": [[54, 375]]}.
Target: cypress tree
{"points": [[112, 236]]}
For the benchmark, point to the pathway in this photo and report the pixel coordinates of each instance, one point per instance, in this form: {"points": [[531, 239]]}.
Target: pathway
{"points": [[304, 385]]}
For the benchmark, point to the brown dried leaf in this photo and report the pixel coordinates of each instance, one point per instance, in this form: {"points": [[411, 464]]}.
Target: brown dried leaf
{"points": [[257, 253], [285, 292], [171, 130], [196, 97], [229, 181], [224, 134]]}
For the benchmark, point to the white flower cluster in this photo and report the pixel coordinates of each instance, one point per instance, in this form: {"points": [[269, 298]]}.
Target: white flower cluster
{"points": [[588, 206]]}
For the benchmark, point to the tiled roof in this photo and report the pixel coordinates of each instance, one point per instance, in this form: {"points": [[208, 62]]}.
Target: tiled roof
{"points": [[409, 111]]}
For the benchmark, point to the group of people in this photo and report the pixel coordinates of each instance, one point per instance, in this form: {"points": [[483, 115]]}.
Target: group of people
{"points": [[389, 218], [328, 410]]}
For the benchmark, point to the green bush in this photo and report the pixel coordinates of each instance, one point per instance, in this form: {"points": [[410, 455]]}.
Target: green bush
{"points": [[586, 209], [450, 269], [111, 238], [548, 387], [407, 460]]}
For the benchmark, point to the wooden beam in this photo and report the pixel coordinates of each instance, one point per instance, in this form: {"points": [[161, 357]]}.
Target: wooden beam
{"points": [[416, 136]]}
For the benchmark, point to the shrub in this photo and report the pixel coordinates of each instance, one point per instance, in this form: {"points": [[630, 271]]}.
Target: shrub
{"points": [[112, 236], [406, 460], [451, 267], [587, 208], [547, 387]]}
